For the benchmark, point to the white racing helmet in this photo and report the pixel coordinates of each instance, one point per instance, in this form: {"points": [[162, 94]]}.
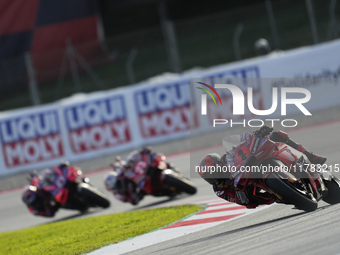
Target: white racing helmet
{"points": [[111, 180]]}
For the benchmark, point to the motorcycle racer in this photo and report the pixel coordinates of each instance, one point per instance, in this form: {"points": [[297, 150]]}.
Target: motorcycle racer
{"points": [[123, 188], [130, 179], [225, 189], [42, 194], [123, 182]]}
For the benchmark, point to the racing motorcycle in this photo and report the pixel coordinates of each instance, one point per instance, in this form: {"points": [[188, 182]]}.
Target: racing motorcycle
{"points": [[68, 188], [273, 170], [164, 180]]}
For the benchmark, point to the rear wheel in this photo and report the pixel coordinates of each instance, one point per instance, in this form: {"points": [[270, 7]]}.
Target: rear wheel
{"points": [[290, 194], [333, 196], [182, 184], [93, 196]]}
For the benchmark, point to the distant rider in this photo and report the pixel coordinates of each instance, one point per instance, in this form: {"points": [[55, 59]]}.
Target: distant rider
{"points": [[224, 187], [124, 181], [37, 197]]}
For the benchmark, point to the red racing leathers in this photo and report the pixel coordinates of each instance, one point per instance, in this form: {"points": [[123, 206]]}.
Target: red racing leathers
{"points": [[226, 190], [125, 190], [134, 175]]}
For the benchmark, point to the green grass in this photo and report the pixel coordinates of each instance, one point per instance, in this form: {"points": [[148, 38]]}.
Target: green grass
{"points": [[85, 235]]}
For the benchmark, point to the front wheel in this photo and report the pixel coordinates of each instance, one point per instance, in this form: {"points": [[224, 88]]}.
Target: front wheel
{"points": [[181, 184], [290, 194], [92, 196]]}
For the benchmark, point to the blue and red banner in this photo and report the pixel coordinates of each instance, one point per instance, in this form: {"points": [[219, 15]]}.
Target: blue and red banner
{"points": [[40, 26], [97, 124], [164, 110]]}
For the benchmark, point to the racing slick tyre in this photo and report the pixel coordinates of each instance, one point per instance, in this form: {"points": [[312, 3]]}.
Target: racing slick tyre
{"points": [[182, 184], [290, 194], [93, 196], [333, 196]]}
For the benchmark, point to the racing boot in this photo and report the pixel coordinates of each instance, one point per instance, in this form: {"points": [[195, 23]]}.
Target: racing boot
{"points": [[281, 136]]}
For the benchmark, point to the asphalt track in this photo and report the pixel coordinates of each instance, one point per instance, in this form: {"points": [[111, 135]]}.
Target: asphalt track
{"points": [[279, 229]]}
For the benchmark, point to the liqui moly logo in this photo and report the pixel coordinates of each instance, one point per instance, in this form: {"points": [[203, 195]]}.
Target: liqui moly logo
{"points": [[164, 109], [97, 124], [31, 138]]}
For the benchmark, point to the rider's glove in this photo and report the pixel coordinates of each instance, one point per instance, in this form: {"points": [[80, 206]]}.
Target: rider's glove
{"points": [[263, 132]]}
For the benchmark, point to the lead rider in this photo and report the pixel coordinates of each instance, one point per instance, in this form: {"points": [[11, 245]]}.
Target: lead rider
{"points": [[225, 189]]}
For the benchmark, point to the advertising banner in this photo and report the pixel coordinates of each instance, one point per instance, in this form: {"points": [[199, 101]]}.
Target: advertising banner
{"points": [[96, 124], [163, 110], [315, 68], [31, 137]]}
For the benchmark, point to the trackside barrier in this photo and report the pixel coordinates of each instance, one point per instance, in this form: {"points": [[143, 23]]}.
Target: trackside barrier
{"points": [[160, 109]]}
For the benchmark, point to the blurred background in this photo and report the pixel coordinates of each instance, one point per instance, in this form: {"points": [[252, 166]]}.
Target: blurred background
{"points": [[52, 49]]}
